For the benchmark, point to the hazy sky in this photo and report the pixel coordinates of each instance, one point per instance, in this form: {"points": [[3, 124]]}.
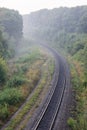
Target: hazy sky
{"points": [[27, 6]]}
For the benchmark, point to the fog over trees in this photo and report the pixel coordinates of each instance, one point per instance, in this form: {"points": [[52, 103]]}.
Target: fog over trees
{"points": [[64, 29], [11, 26]]}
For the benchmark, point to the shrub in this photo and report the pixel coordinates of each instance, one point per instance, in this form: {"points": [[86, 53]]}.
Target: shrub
{"points": [[3, 71], [25, 68], [72, 123], [16, 81], [31, 57], [10, 96], [4, 113]]}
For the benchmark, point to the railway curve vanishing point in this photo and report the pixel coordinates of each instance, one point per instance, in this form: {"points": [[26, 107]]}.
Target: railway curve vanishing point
{"points": [[52, 104]]}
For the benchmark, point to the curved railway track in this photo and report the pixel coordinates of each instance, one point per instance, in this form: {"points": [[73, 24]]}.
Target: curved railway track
{"points": [[47, 116]]}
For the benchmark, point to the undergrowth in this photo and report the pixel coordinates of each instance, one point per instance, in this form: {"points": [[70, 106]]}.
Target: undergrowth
{"points": [[79, 122], [24, 74], [21, 81]]}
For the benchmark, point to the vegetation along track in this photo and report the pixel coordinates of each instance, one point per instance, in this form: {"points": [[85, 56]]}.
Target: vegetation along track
{"points": [[51, 107]]}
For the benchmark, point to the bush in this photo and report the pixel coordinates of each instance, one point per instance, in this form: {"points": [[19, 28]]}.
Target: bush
{"points": [[25, 68], [80, 124], [4, 113], [16, 81], [31, 57], [3, 71], [72, 123], [10, 96]]}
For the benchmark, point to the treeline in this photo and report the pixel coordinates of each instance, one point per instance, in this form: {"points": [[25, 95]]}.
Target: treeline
{"points": [[10, 31], [64, 28], [70, 20]]}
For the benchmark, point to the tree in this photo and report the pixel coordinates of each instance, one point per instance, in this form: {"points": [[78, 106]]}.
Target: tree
{"points": [[3, 71], [12, 22]]}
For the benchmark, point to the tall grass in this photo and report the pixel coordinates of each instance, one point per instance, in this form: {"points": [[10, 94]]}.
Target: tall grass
{"points": [[80, 120]]}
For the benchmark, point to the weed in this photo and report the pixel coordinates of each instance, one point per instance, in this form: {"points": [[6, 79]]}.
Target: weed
{"points": [[79, 123]]}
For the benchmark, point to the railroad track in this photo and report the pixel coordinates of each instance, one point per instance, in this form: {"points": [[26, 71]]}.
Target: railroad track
{"points": [[51, 107]]}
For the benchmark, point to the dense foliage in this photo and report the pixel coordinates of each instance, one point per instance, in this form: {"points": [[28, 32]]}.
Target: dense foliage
{"points": [[51, 22], [10, 31], [64, 28], [11, 22], [3, 71]]}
